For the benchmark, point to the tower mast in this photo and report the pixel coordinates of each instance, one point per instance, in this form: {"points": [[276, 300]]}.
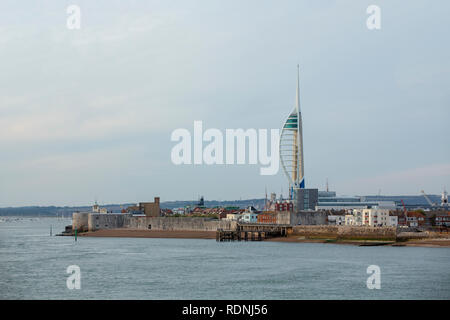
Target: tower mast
{"points": [[301, 170]]}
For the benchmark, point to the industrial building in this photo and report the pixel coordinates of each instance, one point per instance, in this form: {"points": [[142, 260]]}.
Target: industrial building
{"points": [[305, 199], [329, 201]]}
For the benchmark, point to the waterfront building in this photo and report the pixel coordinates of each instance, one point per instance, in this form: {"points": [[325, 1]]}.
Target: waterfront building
{"points": [[233, 216], [305, 199], [351, 220], [267, 217], [251, 209], [373, 217], [97, 209], [285, 205], [393, 221], [179, 210], [329, 201], [336, 220], [415, 219], [249, 217], [355, 205], [134, 210], [443, 220], [150, 209]]}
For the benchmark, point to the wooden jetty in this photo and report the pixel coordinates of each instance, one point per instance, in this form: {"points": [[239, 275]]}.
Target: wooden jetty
{"points": [[253, 232]]}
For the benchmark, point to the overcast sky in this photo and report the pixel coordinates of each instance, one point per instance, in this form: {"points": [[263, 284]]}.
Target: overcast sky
{"points": [[87, 114]]}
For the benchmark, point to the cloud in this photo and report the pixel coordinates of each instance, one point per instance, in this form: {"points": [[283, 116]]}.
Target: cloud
{"points": [[137, 70], [100, 118], [431, 177]]}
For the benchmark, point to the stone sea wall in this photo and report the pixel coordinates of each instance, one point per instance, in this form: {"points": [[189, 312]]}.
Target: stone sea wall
{"points": [[178, 223], [95, 221], [80, 221], [100, 221], [345, 232]]}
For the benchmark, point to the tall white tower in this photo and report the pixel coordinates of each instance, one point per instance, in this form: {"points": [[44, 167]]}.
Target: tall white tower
{"points": [[291, 145]]}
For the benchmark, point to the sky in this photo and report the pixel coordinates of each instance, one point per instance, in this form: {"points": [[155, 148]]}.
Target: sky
{"points": [[87, 114]]}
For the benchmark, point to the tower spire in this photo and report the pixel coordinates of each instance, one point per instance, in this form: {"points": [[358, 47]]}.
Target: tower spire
{"points": [[298, 90], [301, 168], [291, 145]]}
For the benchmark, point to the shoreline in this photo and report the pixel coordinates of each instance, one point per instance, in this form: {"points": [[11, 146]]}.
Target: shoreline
{"points": [[426, 243], [177, 234], [163, 234]]}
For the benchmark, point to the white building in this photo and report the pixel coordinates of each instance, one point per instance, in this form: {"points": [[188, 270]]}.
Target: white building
{"points": [[393, 221], [336, 220], [96, 208], [233, 217], [354, 219], [412, 221], [249, 217], [373, 217], [179, 211]]}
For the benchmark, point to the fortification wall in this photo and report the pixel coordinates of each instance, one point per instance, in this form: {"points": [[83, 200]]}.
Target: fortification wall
{"points": [[80, 221], [309, 218], [302, 218], [345, 232], [98, 221], [88, 221], [177, 223]]}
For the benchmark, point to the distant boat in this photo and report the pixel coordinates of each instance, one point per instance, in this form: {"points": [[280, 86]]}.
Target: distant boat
{"points": [[374, 244]]}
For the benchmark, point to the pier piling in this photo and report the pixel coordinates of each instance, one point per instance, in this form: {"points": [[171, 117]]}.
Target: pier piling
{"points": [[252, 232]]}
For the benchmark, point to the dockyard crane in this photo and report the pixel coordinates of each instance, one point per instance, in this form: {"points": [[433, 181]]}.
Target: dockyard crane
{"points": [[406, 213], [428, 199], [404, 209]]}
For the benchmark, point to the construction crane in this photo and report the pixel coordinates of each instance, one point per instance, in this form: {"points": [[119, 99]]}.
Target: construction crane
{"points": [[404, 209], [406, 213], [428, 199]]}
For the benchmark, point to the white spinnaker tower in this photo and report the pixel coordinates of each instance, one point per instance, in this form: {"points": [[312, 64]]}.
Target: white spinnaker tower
{"points": [[291, 145]]}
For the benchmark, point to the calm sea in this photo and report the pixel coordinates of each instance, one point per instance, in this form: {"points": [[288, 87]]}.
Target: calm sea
{"points": [[33, 266]]}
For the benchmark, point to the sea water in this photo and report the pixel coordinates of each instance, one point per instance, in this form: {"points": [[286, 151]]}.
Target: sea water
{"points": [[33, 265]]}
